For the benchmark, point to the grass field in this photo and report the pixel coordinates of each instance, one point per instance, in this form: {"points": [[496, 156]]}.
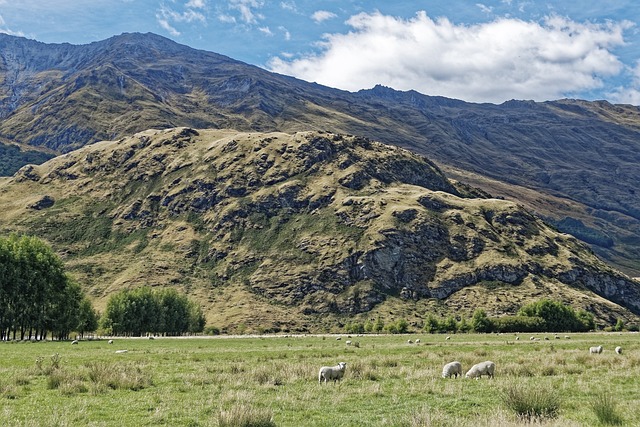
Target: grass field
{"points": [[272, 381]]}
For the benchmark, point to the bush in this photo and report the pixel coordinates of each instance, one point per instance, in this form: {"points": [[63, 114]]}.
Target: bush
{"points": [[532, 403], [480, 322], [558, 317], [518, 324], [604, 406]]}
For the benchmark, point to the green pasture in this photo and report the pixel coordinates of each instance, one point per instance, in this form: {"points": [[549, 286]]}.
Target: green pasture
{"points": [[272, 381]]}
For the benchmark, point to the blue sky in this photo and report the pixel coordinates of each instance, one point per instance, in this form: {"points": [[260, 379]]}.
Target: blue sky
{"points": [[478, 51]]}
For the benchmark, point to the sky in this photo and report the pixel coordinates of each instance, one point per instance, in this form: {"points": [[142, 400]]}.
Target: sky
{"points": [[477, 51]]}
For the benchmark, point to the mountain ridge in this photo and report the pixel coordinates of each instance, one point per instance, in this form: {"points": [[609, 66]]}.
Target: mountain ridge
{"points": [[581, 152]]}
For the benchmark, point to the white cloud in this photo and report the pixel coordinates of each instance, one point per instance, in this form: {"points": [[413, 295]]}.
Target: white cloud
{"points": [[265, 30], [483, 8], [494, 62], [630, 94], [285, 32], [167, 17], [247, 9], [289, 5], [197, 4], [322, 15]]}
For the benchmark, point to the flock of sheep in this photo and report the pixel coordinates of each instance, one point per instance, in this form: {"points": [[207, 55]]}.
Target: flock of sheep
{"points": [[452, 369]]}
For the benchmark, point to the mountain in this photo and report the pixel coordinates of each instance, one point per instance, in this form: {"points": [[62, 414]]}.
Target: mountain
{"points": [[572, 162], [299, 231]]}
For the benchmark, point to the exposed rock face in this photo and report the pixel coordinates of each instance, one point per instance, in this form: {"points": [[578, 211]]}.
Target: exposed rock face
{"points": [[316, 224]]}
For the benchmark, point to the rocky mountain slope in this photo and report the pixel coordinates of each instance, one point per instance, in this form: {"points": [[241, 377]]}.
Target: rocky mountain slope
{"points": [[302, 231], [572, 162]]}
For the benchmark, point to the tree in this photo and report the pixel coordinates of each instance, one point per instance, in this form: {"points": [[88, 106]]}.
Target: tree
{"points": [[557, 316], [36, 295], [143, 310], [87, 318], [480, 322]]}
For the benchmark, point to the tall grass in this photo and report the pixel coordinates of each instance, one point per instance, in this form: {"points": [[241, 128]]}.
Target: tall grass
{"points": [[245, 416], [604, 406], [532, 402]]}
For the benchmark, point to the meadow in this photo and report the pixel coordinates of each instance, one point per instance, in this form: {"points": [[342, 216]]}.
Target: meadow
{"points": [[272, 381]]}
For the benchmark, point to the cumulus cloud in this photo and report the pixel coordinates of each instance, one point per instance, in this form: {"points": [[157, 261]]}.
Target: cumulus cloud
{"points": [[322, 15], [631, 93], [488, 62]]}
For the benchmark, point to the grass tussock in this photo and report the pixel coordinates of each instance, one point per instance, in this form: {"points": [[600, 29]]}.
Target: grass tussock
{"points": [[119, 376], [605, 408], [532, 402], [246, 416]]}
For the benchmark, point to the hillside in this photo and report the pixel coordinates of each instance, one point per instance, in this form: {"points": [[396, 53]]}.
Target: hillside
{"points": [[572, 162], [277, 231]]}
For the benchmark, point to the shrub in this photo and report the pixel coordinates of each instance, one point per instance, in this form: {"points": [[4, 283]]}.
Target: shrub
{"points": [[558, 317], [532, 402], [518, 324], [480, 322], [604, 406]]}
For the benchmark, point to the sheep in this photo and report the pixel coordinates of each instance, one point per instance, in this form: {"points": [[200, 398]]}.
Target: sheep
{"points": [[618, 350], [334, 373], [418, 341], [348, 342], [596, 350], [480, 369], [452, 369], [74, 342], [409, 342], [121, 351], [110, 341], [447, 338]]}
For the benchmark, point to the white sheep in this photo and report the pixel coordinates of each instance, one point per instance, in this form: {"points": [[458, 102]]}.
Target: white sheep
{"points": [[409, 342], [74, 342], [418, 341], [334, 373], [121, 351], [618, 350], [596, 350], [348, 342], [480, 369], [110, 341], [452, 369]]}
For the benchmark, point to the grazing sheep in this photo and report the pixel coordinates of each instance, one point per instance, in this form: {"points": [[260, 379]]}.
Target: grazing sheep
{"points": [[448, 338], [618, 350], [74, 342], [596, 350], [517, 338], [110, 341], [418, 341], [567, 337], [334, 373], [452, 369], [480, 369], [338, 338], [348, 342], [409, 342]]}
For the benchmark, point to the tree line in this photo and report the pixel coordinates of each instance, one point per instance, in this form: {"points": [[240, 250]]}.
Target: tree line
{"points": [[36, 295], [143, 310], [38, 298], [545, 315]]}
